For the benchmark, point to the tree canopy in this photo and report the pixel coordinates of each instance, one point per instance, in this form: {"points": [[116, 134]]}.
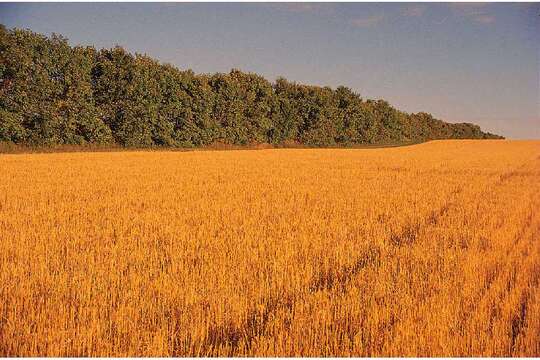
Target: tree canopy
{"points": [[52, 93]]}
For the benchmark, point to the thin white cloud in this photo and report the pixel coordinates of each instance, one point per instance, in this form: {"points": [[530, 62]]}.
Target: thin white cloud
{"points": [[476, 12], [302, 7], [414, 11], [368, 21], [468, 8]]}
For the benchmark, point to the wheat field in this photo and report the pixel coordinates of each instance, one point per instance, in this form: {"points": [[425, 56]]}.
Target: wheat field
{"points": [[425, 250]]}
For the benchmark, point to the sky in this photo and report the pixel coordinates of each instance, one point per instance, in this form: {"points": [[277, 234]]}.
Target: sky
{"points": [[461, 62]]}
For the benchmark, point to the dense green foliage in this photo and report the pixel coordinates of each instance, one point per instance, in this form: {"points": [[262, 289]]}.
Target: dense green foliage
{"points": [[52, 93]]}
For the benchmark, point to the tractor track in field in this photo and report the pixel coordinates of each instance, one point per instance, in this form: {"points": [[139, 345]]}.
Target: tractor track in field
{"points": [[255, 325]]}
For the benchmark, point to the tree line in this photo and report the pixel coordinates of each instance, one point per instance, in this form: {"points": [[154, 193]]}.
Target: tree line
{"points": [[52, 93]]}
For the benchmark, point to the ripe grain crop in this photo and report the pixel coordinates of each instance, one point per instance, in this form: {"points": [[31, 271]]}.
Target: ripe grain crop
{"points": [[425, 250]]}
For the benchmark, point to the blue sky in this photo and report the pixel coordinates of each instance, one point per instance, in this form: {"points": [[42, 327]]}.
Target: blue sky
{"points": [[459, 61]]}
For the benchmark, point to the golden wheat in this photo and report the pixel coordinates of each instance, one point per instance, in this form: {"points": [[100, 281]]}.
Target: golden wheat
{"points": [[425, 250]]}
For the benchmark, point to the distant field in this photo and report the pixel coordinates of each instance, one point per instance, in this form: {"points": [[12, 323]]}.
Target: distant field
{"points": [[431, 249]]}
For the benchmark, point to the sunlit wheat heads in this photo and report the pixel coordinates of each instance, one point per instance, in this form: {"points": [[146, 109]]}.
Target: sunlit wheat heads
{"points": [[425, 250]]}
